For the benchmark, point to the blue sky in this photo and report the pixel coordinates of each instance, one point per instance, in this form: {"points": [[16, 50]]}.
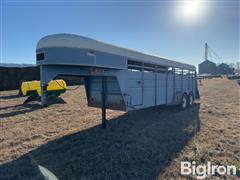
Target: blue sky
{"points": [[153, 27]]}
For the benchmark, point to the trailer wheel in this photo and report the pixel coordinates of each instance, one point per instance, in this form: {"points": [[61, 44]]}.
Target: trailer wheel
{"points": [[190, 100], [184, 102]]}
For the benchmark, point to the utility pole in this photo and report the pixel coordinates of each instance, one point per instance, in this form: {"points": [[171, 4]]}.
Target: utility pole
{"points": [[206, 51]]}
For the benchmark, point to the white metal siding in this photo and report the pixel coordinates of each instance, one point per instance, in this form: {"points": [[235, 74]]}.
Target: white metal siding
{"points": [[134, 83], [149, 89], [161, 88]]}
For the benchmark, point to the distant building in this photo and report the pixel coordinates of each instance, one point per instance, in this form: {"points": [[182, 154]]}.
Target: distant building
{"points": [[207, 67], [224, 69]]}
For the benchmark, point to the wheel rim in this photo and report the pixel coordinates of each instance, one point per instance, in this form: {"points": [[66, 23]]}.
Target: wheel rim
{"points": [[184, 102], [190, 100]]}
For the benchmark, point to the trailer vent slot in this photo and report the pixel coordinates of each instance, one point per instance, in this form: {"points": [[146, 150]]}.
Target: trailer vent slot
{"points": [[134, 69], [135, 63], [40, 56]]}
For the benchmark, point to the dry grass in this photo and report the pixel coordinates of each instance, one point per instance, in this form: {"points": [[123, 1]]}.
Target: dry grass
{"points": [[147, 144], [218, 140]]}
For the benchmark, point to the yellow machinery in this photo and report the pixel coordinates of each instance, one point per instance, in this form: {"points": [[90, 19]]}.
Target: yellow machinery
{"points": [[33, 88]]}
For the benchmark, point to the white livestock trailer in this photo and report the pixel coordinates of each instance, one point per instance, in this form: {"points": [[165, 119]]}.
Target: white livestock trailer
{"points": [[115, 77]]}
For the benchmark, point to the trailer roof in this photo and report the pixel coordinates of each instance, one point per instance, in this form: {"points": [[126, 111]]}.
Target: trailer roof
{"points": [[76, 41]]}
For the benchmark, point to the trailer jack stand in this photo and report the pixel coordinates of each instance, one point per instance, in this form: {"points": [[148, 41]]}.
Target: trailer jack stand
{"points": [[104, 119], [44, 95], [103, 102]]}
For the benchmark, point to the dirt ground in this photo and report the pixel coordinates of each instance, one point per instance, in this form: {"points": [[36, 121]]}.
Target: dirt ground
{"points": [[67, 139]]}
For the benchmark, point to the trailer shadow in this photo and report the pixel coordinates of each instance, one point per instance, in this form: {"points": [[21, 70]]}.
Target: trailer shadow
{"points": [[137, 145]]}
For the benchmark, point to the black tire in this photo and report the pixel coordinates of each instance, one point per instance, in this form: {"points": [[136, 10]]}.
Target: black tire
{"points": [[184, 102], [190, 100]]}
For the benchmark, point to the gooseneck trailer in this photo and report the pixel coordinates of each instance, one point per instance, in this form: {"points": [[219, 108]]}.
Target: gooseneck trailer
{"points": [[115, 77]]}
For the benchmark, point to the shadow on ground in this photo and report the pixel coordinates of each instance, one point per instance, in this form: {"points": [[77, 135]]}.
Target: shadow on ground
{"points": [[10, 96], [27, 107], [20, 109], [136, 145]]}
